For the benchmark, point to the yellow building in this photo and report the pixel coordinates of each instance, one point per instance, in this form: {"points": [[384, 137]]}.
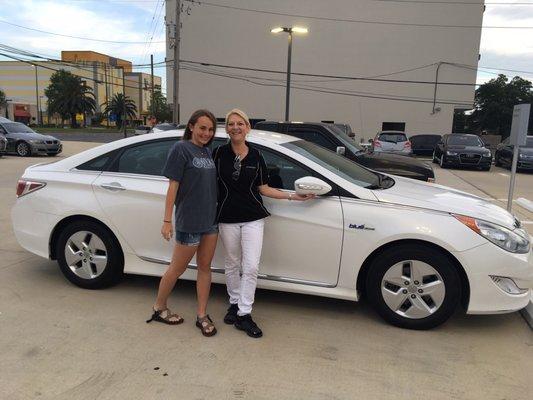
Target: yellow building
{"points": [[24, 83]]}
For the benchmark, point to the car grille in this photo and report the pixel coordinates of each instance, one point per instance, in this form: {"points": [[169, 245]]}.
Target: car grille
{"points": [[52, 142], [469, 158]]}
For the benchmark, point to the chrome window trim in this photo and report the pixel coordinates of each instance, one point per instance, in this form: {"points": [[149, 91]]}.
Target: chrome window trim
{"points": [[260, 276]]}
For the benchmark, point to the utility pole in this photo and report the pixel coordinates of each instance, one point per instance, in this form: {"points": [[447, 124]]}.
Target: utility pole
{"points": [[176, 113], [123, 101], [37, 93], [106, 92], [152, 107]]}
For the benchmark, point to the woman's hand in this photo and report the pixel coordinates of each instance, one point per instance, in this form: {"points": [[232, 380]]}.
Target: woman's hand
{"points": [[302, 197], [166, 231]]}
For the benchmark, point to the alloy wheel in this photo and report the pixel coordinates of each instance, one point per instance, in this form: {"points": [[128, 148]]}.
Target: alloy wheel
{"points": [[23, 149], [413, 289], [86, 255]]}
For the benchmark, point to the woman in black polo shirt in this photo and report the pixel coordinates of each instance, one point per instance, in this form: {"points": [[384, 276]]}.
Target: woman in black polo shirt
{"points": [[242, 179]]}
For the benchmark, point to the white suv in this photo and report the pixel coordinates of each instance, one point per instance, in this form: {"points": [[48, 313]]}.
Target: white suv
{"points": [[392, 142]]}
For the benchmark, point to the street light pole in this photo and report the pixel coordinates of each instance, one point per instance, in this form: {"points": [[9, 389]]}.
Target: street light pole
{"points": [[37, 93], [288, 89], [123, 101], [290, 31]]}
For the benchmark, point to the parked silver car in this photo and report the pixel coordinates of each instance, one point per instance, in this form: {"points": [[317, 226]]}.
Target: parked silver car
{"points": [[24, 141], [392, 142]]}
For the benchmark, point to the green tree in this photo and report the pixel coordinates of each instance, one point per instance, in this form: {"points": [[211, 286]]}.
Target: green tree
{"points": [[159, 107], [116, 106], [494, 103], [68, 95]]}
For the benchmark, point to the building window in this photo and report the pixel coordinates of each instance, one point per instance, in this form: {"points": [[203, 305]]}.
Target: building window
{"points": [[393, 126]]}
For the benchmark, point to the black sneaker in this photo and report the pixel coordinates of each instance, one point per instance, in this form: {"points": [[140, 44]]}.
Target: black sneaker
{"points": [[247, 324], [231, 315]]}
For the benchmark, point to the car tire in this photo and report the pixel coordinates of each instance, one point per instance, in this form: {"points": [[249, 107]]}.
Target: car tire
{"points": [[51, 154], [89, 255], [435, 160], [485, 168], [396, 296], [442, 163], [23, 149], [497, 162]]}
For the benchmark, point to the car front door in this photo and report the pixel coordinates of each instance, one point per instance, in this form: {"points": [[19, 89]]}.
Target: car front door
{"points": [[302, 240]]}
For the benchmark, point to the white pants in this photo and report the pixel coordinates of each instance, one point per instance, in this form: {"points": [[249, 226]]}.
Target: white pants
{"points": [[243, 243]]}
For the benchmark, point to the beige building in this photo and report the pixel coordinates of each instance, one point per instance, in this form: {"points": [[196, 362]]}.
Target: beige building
{"points": [[138, 88], [24, 83], [389, 57]]}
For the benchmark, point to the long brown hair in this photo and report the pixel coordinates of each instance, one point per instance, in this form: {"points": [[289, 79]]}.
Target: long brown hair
{"points": [[194, 119]]}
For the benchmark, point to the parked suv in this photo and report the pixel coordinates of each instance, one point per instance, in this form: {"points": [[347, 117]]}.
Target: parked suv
{"points": [[424, 144], [24, 141], [332, 138], [392, 142]]}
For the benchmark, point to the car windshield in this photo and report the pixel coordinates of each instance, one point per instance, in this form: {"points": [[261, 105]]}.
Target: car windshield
{"points": [[346, 140], [463, 140], [166, 127], [17, 127], [339, 165], [393, 137]]}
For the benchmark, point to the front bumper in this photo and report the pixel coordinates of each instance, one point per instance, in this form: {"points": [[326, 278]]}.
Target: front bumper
{"points": [[525, 164], [463, 161], [486, 297], [54, 148]]}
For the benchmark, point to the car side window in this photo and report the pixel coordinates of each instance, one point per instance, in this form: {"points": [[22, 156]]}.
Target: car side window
{"points": [[99, 163], [313, 137], [144, 159], [282, 172]]}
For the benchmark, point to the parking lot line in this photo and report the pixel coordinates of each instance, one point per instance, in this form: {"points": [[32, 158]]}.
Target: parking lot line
{"points": [[527, 204], [502, 174]]}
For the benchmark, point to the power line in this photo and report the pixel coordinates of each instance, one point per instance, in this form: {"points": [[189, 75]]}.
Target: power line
{"points": [[331, 19], [453, 2], [333, 91], [74, 37]]}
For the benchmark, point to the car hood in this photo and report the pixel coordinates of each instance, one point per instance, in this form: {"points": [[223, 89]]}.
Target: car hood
{"points": [[468, 149], [30, 136], [528, 151], [397, 159], [442, 198]]}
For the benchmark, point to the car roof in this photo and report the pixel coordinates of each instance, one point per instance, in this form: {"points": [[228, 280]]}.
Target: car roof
{"points": [[295, 123], [255, 136], [2, 119]]}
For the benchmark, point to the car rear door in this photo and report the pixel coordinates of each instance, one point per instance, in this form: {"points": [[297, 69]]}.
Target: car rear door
{"points": [[132, 195]]}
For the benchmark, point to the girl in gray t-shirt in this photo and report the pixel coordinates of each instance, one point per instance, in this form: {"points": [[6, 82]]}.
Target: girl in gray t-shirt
{"points": [[193, 191]]}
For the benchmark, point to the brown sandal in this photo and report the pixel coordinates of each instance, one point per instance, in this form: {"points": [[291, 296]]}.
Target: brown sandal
{"points": [[165, 316], [205, 324]]}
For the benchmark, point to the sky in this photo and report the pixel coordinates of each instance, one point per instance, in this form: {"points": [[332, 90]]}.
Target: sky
{"points": [[143, 21]]}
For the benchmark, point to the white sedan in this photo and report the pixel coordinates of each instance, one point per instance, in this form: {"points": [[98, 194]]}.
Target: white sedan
{"points": [[416, 250]]}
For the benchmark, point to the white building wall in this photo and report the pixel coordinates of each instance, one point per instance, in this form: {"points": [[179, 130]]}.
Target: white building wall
{"points": [[241, 38]]}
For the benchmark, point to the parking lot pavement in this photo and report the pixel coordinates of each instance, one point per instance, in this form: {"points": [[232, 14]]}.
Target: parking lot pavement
{"points": [[61, 342]]}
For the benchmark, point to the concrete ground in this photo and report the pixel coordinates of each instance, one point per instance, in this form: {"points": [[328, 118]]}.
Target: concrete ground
{"points": [[58, 341]]}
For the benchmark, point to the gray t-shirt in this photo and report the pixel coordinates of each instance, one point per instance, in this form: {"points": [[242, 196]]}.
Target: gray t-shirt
{"points": [[196, 201]]}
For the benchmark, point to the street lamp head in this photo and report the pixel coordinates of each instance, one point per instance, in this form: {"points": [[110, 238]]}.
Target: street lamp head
{"points": [[299, 29], [277, 29]]}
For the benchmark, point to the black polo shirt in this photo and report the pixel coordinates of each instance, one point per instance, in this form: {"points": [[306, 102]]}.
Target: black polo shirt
{"points": [[238, 194]]}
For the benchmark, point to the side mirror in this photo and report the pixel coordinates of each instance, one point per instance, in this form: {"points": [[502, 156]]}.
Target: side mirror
{"points": [[341, 150], [370, 140], [311, 185]]}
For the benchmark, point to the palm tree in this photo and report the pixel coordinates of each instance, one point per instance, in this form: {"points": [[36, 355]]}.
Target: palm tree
{"points": [[68, 95], [116, 106]]}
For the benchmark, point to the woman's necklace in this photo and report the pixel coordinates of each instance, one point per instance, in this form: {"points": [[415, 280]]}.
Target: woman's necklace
{"points": [[241, 152]]}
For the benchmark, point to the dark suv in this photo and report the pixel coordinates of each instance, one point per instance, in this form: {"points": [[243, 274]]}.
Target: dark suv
{"points": [[332, 138]]}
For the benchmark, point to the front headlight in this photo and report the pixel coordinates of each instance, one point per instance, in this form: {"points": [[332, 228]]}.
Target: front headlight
{"points": [[516, 241], [451, 153], [522, 155], [487, 154]]}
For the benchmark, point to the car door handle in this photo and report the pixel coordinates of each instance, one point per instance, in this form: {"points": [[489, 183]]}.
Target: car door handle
{"points": [[113, 186]]}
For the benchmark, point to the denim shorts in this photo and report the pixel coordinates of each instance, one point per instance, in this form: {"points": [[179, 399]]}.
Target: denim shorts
{"points": [[193, 239]]}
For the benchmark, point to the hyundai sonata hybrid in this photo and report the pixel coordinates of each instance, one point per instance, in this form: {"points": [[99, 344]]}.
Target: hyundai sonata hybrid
{"points": [[416, 250]]}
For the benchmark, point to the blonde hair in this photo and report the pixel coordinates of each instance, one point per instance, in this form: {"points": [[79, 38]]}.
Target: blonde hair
{"points": [[240, 113]]}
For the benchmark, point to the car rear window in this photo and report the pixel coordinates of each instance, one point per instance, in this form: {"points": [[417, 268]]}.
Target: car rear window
{"points": [[393, 137]]}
